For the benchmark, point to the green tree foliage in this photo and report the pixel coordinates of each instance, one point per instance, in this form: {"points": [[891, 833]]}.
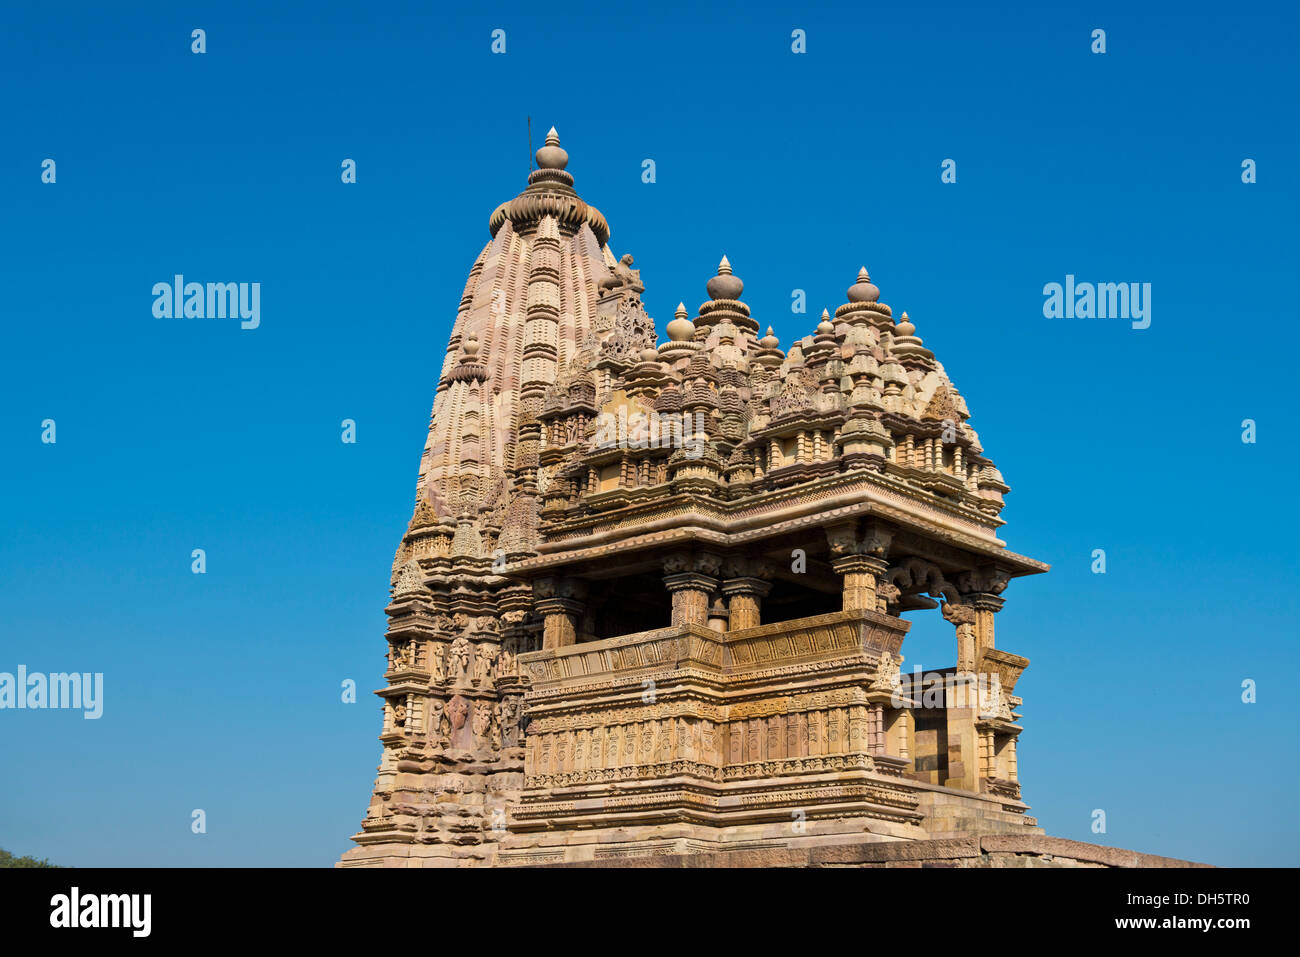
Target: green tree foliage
{"points": [[8, 860]]}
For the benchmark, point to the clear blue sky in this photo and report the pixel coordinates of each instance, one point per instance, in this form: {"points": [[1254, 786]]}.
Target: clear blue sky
{"points": [[222, 691]]}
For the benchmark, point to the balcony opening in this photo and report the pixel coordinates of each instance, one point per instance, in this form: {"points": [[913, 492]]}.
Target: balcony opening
{"points": [[625, 606], [788, 601]]}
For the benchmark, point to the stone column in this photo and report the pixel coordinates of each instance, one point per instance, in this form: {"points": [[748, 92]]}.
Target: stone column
{"points": [[858, 553], [691, 578], [980, 588], [986, 605], [719, 616], [963, 616], [691, 592], [878, 745], [988, 756], [745, 601], [559, 602], [861, 573]]}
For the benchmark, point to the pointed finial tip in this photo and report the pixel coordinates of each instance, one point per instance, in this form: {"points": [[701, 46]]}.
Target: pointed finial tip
{"points": [[863, 290], [725, 285], [552, 156], [769, 331]]}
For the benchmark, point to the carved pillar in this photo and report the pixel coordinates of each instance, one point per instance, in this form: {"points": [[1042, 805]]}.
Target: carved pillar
{"points": [[986, 605], [691, 578], [745, 601], [861, 573], [878, 741], [980, 589], [690, 591], [988, 755], [560, 603], [718, 613], [963, 616], [858, 554]]}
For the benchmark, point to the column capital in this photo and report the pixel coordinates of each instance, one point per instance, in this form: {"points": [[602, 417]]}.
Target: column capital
{"points": [[746, 586], [690, 581], [985, 601], [706, 563], [958, 614], [557, 586], [551, 606], [867, 537], [986, 578], [870, 564]]}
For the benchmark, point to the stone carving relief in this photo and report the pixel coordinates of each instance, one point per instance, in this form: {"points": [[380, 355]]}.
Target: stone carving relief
{"points": [[409, 579], [484, 656], [622, 279], [458, 659]]}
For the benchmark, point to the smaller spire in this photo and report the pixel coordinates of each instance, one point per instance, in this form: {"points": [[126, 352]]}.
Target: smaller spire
{"points": [[825, 327], [469, 367], [681, 329], [906, 342]]}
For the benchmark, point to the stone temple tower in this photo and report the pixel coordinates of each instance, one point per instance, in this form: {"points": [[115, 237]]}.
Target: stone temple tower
{"points": [[650, 598]]}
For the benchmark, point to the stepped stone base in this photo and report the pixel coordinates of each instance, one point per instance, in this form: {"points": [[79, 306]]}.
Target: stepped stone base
{"points": [[993, 850], [954, 829]]}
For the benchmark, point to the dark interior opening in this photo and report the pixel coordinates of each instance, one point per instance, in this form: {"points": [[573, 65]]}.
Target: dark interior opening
{"points": [[788, 601], [625, 606]]}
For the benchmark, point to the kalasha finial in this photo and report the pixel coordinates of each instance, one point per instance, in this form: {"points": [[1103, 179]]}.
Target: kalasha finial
{"points": [[905, 326], [551, 156], [863, 290], [681, 329], [725, 285], [825, 327], [769, 341], [470, 348]]}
